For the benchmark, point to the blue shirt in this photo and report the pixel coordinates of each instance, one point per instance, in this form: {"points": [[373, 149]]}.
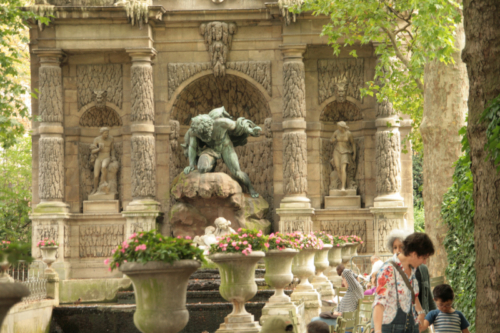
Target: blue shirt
{"points": [[453, 322]]}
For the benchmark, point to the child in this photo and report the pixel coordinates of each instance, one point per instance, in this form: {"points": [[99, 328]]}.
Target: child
{"points": [[445, 318]]}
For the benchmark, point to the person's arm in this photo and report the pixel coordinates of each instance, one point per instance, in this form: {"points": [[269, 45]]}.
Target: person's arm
{"points": [[334, 137], [226, 123], [424, 326], [95, 147], [418, 307], [378, 315]]}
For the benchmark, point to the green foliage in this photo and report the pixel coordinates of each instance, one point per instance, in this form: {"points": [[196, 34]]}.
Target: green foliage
{"points": [[15, 191], [419, 218], [408, 34], [458, 214], [492, 115], [418, 179], [153, 246], [14, 69], [15, 251]]}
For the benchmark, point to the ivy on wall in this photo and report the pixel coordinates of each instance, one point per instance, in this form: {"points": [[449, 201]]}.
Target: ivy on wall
{"points": [[458, 213]]}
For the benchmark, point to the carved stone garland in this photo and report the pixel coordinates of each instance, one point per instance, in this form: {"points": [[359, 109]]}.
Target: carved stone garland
{"points": [[218, 38]]}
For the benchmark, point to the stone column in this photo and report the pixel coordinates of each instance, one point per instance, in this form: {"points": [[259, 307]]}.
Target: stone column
{"points": [[388, 210], [51, 214], [295, 208], [143, 211]]}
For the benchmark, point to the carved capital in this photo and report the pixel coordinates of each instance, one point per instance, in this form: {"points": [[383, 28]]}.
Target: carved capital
{"points": [[141, 55], [293, 52], [50, 57]]}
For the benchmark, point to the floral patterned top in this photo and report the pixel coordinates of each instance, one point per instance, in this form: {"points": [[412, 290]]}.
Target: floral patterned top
{"points": [[386, 290]]}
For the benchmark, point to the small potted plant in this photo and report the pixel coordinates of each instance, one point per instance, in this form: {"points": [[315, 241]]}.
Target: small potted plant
{"points": [[159, 268], [48, 247], [11, 293], [236, 256], [281, 249], [319, 281]]}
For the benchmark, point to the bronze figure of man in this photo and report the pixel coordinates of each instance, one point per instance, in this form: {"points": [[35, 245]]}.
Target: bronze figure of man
{"points": [[214, 136]]}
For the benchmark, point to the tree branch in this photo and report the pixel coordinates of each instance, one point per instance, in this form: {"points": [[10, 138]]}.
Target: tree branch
{"points": [[400, 56]]}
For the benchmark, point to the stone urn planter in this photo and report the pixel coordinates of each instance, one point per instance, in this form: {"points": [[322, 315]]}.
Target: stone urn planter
{"points": [[10, 294], [303, 268], [279, 272], [4, 266], [49, 256], [346, 253], [237, 273], [319, 281], [354, 249], [160, 291], [334, 259]]}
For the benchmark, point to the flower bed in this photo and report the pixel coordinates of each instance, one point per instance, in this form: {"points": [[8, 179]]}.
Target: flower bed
{"points": [[245, 241], [153, 246], [279, 241], [47, 243]]}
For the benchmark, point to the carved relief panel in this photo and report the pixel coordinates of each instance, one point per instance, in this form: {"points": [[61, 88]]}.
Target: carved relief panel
{"points": [[340, 78], [99, 240], [346, 227]]}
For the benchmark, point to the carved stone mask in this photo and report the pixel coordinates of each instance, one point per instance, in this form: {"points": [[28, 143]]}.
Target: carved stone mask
{"points": [[341, 91], [100, 97]]}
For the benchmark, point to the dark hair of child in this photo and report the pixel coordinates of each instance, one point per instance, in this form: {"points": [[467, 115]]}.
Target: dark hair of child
{"points": [[443, 292], [318, 326], [418, 242]]}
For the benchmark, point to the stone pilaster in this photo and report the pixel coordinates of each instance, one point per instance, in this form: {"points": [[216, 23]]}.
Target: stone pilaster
{"points": [[51, 142], [295, 208], [143, 211]]}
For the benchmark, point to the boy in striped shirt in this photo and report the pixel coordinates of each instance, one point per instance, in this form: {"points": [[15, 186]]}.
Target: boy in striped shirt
{"points": [[445, 319]]}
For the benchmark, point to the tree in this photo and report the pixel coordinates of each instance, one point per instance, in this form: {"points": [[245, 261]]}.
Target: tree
{"points": [[15, 191], [482, 57], [408, 34], [14, 69]]}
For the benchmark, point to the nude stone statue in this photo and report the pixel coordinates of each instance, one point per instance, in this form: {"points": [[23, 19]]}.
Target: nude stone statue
{"points": [[344, 152], [223, 227], [103, 157], [214, 136]]}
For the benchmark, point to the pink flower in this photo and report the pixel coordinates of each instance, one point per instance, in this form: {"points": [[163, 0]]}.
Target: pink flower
{"points": [[117, 265], [233, 243], [278, 241], [180, 237], [113, 251], [188, 237], [245, 243], [132, 236], [244, 235], [237, 247], [239, 229], [106, 261], [125, 261], [109, 269], [140, 247], [122, 250], [266, 245], [224, 249]]}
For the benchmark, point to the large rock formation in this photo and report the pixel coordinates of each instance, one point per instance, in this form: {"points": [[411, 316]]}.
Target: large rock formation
{"points": [[203, 197]]}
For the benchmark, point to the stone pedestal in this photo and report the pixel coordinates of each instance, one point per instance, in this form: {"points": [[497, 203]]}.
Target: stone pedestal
{"points": [[241, 324], [141, 215], [288, 310], [311, 300], [346, 199], [101, 206]]}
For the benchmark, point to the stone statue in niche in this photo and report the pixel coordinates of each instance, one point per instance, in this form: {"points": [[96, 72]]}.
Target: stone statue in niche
{"points": [[105, 165], [344, 159], [212, 137]]}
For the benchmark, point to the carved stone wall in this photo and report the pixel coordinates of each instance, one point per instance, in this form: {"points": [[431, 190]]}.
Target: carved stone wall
{"points": [[51, 168], [142, 94], [340, 78], [140, 224], [260, 71], [294, 102], [385, 226], [99, 240], [341, 111], [295, 168], [239, 97], [218, 38], [387, 152], [143, 166], [256, 159], [295, 223], [50, 105], [107, 78], [327, 168], [346, 227], [87, 174], [106, 117]]}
